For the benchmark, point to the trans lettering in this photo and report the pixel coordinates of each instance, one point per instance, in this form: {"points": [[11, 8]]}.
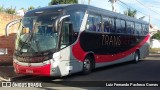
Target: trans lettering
{"points": [[117, 40], [111, 40]]}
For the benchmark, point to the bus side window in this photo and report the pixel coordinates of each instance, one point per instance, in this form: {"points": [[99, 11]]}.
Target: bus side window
{"points": [[113, 25], [123, 26], [130, 27], [118, 26], [90, 23], [108, 24], [138, 28], [98, 24], [76, 18], [94, 23], [143, 29], [146, 29]]}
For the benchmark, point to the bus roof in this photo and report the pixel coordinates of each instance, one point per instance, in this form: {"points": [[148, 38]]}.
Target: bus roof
{"points": [[84, 8]]}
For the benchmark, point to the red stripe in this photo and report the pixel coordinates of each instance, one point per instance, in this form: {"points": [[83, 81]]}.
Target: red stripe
{"points": [[33, 70], [80, 54]]}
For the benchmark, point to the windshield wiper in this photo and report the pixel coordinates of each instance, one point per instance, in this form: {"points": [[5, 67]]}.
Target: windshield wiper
{"points": [[25, 42], [37, 43]]}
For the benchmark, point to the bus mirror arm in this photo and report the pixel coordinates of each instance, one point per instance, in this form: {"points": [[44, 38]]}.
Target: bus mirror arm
{"points": [[56, 25], [59, 20], [10, 24]]}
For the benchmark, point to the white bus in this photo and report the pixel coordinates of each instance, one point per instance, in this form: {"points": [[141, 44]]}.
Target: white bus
{"points": [[63, 39]]}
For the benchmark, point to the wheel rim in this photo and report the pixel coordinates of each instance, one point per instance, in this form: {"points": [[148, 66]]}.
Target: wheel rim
{"points": [[136, 57], [87, 65]]}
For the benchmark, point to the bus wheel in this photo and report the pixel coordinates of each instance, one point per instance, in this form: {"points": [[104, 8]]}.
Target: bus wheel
{"points": [[136, 57], [87, 65]]}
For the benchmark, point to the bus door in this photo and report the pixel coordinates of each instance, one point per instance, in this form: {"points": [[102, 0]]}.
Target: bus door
{"points": [[66, 33], [66, 38]]}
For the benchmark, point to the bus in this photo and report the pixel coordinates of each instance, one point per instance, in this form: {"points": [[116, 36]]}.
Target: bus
{"points": [[60, 40]]}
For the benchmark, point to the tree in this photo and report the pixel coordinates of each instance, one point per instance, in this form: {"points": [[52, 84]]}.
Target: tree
{"points": [[10, 10], [130, 12], [156, 36], [55, 2], [31, 8], [22, 9], [1, 8]]}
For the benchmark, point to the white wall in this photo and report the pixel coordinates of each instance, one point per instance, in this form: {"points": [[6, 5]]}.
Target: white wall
{"points": [[155, 43]]}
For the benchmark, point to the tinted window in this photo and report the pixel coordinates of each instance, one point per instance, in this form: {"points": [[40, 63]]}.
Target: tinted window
{"points": [[108, 24], [143, 29], [146, 29], [76, 19], [94, 23], [137, 28], [120, 26], [130, 27]]}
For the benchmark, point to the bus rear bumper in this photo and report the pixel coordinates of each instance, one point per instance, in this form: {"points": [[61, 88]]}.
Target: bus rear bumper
{"points": [[33, 70]]}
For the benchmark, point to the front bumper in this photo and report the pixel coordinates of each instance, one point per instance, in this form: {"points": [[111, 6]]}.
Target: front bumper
{"points": [[33, 70]]}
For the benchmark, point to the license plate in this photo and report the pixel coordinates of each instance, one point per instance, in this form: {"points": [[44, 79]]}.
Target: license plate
{"points": [[29, 71]]}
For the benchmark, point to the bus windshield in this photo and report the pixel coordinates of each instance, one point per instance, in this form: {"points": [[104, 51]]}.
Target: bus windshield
{"points": [[37, 34]]}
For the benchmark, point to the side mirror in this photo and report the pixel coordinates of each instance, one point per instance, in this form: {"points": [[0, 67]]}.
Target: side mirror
{"points": [[10, 24]]}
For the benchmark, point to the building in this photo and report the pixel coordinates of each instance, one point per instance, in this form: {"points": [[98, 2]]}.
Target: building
{"points": [[153, 29], [20, 12]]}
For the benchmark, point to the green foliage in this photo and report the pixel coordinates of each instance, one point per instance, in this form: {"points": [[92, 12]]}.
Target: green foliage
{"points": [[131, 13], [31, 8], [10, 10], [22, 9], [54, 2], [156, 36], [1, 9]]}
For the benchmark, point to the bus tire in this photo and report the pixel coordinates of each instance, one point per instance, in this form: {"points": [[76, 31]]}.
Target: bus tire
{"points": [[136, 57], [87, 65]]}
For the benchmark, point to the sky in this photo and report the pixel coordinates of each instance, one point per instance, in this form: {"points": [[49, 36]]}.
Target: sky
{"points": [[144, 7]]}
